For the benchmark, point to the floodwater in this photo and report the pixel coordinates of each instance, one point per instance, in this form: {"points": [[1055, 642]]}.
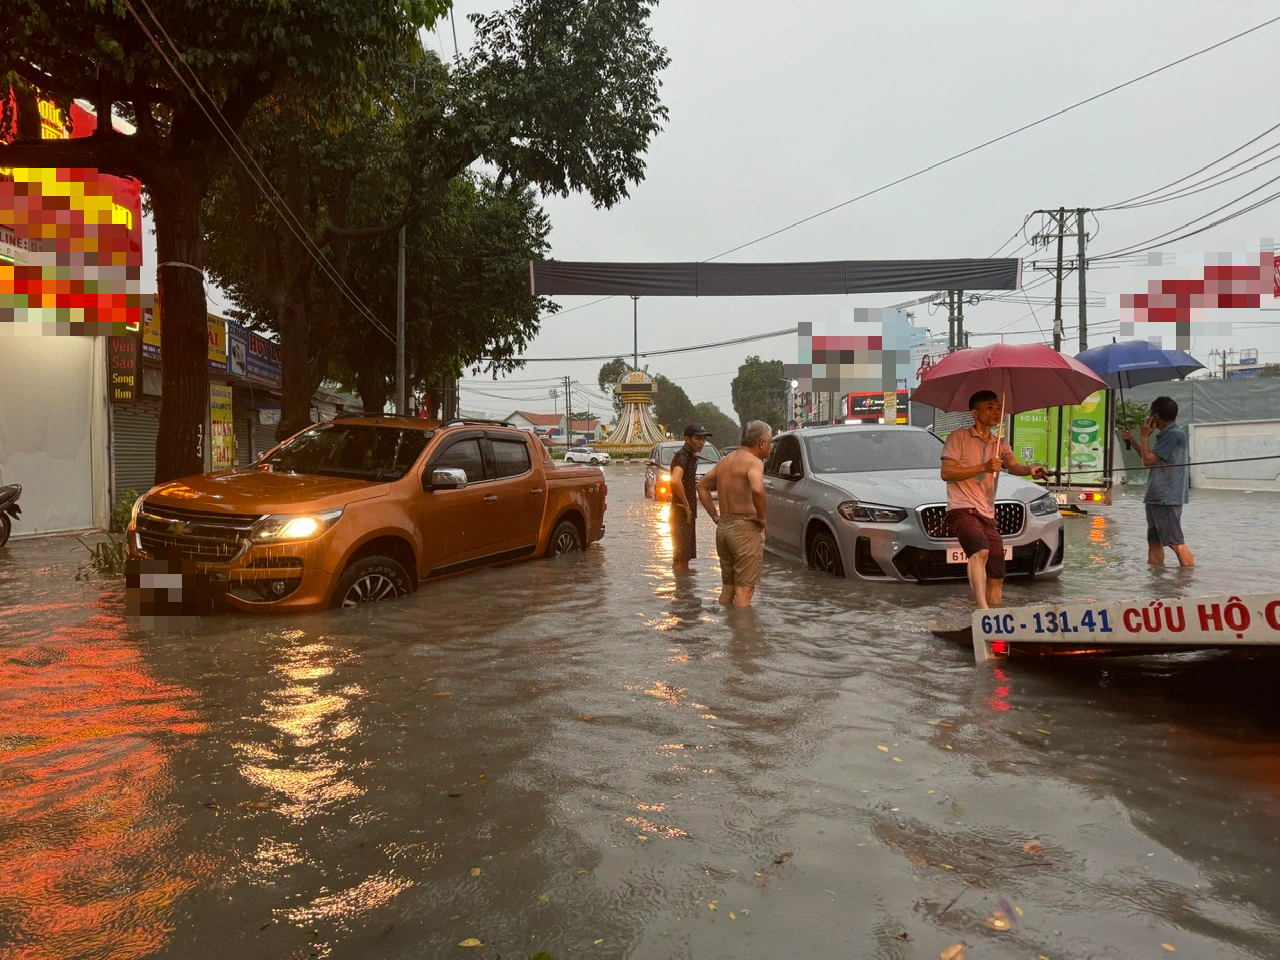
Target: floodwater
{"points": [[587, 758]]}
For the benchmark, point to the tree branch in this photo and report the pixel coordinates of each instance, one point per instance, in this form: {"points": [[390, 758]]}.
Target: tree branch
{"points": [[50, 85], [248, 92], [407, 216]]}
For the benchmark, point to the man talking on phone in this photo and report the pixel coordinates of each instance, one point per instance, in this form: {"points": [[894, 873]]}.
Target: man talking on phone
{"points": [[1169, 483]]}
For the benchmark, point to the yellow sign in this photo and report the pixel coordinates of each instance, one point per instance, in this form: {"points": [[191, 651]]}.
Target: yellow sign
{"points": [[222, 437], [217, 333]]}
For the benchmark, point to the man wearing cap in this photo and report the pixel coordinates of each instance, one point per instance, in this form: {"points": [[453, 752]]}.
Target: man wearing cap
{"points": [[972, 459], [684, 497]]}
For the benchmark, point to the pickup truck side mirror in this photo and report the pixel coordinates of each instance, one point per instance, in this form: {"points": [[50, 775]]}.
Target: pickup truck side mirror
{"points": [[446, 478]]}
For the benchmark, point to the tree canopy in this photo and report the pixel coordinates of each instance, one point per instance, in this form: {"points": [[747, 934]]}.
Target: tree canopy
{"points": [[760, 392], [227, 56]]}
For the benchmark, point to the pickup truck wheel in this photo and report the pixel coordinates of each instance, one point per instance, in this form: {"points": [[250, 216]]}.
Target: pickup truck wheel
{"points": [[566, 539], [370, 579], [824, 554]]}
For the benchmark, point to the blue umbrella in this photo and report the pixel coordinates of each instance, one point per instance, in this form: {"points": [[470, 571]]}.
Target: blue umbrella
{"points": [[1136, 362]]}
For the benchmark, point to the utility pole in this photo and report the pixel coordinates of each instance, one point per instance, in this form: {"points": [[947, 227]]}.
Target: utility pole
{"points": [[1225, 356], [1057, 297], [1080, 265], [568, 413], [401, 400], [951, 321], [961, 340]]}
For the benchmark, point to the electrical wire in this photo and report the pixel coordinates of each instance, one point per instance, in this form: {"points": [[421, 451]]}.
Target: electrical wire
{"points": [[673, 350], [1212, 163], [273, 197], [994, 140], [1188, 191]]}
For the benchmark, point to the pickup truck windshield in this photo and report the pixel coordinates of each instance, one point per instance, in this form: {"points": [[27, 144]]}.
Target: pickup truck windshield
{"points": [[856, 451], [354, 451]]}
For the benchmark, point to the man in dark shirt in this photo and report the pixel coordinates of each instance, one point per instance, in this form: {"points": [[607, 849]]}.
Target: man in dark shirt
{"points": [[684, 497], [1168, 484]]}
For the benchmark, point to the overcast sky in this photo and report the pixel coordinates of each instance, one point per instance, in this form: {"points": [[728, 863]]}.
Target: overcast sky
{"points": [[779, 111]]}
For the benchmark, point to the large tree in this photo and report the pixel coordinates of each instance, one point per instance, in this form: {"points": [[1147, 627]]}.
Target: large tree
{"points": [[725, 432], [671, 406], [760, 392], [557, 96], [610, 374], [227, 55]]}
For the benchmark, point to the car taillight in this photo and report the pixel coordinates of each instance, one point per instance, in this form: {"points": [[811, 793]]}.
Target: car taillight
{"points": [[1000, 646]]}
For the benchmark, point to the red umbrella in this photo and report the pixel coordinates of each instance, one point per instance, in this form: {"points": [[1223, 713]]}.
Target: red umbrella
{"points": [[1027, 376]]}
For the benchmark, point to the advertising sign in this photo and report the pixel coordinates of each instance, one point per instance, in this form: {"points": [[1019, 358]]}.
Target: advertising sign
{"points": [[237, 350], [126, 367], [868, 405], [1193, 622], [216, 330], [222, 438], [263, 360], [1079, 452]]}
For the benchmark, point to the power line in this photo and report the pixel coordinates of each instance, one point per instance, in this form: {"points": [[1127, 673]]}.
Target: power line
{"points": [[994, 140], [273, 197], [1194, 173], [1187, 191], [662, 353]]}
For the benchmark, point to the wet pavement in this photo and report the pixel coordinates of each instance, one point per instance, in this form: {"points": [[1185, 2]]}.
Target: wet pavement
{"points": [[588, 758]]}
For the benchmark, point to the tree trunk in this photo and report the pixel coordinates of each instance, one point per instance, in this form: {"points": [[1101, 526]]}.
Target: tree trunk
{"points": [[371, 385], [181, 440], [295, 349]]}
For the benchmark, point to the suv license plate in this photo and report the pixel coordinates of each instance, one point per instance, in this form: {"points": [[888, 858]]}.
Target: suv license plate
{"points": [[956, 555]]}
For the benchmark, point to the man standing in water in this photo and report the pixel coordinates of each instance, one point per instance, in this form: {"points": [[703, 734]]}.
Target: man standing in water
{"points": [[684, 501], [738, 481], [971, 462], [1168, 484]]}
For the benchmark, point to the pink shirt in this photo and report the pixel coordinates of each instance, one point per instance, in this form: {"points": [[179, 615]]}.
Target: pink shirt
{"points": [[968, 449]]}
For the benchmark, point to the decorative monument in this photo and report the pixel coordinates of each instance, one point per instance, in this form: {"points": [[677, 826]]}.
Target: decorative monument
{"points": [[636, 431]]}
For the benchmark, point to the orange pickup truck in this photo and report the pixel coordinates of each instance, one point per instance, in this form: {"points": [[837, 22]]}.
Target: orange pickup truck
{"points": [[364, 508]]}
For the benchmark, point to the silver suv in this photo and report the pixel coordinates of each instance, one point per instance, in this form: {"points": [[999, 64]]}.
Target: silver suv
{"points": [[868, 500]]}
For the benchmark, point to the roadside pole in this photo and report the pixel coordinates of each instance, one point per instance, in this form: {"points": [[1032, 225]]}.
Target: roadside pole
{"points": [[401, 403], [1080, 263]]}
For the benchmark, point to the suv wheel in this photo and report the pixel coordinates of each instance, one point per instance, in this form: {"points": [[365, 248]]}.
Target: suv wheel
{"points": [[824, 554], [565, 539], [595, 461], [370, 579]]}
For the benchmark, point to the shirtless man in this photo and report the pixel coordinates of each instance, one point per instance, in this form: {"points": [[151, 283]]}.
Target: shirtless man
{"points": [[738, 480]]}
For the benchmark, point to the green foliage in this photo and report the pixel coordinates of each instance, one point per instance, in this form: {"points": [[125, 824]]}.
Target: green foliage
{"points": [[1270, 370], [610, 374], [760, 392], [725, 432], [1129, 415], [121, 509], [672, 407], [105, 559]]}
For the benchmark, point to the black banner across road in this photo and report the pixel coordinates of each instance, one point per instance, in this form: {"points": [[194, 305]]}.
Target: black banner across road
{"points": [[583, 278]]}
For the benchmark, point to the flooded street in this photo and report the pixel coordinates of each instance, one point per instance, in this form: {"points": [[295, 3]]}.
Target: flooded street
{"points": [[588, 758]]}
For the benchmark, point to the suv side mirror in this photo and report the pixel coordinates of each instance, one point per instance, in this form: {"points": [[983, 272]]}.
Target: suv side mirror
{"points": [[650, 463], [790, 470], [447, 478]]}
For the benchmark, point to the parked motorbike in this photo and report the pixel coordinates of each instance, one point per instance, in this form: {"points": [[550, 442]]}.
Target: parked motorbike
{"points": [[9, 509]]}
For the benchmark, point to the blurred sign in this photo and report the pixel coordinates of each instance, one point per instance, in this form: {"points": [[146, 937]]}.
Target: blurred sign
{"points": [[222, 439]]}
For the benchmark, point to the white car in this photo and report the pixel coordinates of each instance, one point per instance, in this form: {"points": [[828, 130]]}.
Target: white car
{"points": [[586, 455]]}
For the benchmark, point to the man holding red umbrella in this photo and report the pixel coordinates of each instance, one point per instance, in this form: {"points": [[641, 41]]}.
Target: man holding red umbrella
{"points": [[972, 459]]}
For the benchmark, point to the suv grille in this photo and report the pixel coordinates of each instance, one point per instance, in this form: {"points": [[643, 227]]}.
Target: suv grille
{"points": [[1011, 516], [205, 537]]}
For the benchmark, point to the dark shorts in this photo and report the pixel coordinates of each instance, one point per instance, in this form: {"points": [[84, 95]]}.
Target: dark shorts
{"points": [[976, 532], [1164, 524], [684, 536]]}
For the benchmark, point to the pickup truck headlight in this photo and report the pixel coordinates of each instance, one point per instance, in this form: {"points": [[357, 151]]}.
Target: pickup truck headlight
{"points": [[871, 512], [1044, 506], [137, 505], [291, 526]]}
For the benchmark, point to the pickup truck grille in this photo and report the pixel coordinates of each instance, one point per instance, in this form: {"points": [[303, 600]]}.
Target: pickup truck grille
{"points": [[203, 537], [1010, 519]]}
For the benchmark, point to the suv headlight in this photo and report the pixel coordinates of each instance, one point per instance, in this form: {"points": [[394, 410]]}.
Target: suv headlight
{"points": [[664, 477], [293, 526], [137, 505], [871, 512], [1044, 506]]}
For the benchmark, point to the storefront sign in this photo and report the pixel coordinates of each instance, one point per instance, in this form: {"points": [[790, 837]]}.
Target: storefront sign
{"points": [[263, 360], [237, 350], [126, 372], [222, 438], [216, 331]]}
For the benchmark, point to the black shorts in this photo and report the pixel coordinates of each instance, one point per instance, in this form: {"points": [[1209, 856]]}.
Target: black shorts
{"points": [[1164, 524], [684, 536], [976, 532]]}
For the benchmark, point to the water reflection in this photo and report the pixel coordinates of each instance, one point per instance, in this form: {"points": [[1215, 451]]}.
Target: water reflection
{"points": [[92, 864]]}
